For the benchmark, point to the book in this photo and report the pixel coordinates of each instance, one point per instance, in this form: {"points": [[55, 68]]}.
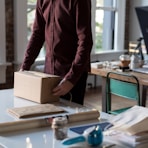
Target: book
{"points": [[130, 127], [136, 138], [142, 144], [132, 121], [139, 140], [140, 137]]}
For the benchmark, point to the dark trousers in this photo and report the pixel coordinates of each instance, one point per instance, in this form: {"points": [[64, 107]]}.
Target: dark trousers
{"points": [[78, 91]]}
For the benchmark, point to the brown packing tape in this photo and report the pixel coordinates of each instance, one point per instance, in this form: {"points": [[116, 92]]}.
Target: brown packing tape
{"points": [[44, 122]]}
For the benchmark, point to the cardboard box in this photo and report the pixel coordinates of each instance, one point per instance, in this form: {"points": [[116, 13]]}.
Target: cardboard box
{"points": [[35, 86]]}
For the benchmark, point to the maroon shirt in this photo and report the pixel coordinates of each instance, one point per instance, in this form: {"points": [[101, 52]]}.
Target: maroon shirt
{"points": [[65, 26]]}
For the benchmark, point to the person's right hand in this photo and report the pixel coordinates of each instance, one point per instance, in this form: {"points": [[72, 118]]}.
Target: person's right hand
{"points": [[63, 88]]}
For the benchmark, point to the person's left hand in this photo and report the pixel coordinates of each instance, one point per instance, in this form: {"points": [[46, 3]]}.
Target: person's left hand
{"points": [[63, 88]]}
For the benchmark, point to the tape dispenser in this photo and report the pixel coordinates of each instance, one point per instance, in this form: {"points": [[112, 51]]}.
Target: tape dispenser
{"points": [[92, 135]]}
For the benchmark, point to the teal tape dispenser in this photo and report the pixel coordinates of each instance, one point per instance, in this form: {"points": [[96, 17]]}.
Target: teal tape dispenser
{"points": [[93, 136]]}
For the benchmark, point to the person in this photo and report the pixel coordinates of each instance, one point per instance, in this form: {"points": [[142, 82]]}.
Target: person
{"points": [[65, 27]]}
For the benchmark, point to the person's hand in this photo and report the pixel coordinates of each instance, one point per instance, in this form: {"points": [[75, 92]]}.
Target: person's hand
{"points": [[21, 70], [63, 88]]}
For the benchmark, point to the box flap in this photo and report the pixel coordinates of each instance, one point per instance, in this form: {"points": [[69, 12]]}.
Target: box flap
{"points": [[37, 74]]}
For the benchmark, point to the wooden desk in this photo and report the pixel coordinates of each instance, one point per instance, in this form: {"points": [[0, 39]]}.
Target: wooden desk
{"points": [[143, 80]]}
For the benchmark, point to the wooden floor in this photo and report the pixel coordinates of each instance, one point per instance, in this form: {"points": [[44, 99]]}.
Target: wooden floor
{"points": [[93, 99]]}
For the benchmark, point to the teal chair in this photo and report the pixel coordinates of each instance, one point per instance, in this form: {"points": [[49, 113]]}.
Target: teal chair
{"points": [[122, 85]]}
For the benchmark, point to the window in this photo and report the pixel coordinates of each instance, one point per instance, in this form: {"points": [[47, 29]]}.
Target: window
{"points": [[105, 16], [104, 28], [107, 25]]}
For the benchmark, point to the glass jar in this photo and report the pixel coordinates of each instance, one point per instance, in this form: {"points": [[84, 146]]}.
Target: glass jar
{"points": [[125, 60], [59, 126]]}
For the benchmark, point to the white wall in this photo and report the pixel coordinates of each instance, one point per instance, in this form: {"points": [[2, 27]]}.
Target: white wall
{"points": [[134, 28]]}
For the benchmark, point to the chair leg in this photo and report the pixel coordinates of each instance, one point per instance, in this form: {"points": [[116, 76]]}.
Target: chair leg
{"points": [[144, 95], [108, 102]]}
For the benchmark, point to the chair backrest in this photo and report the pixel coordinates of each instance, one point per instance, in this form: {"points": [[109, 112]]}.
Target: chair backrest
{"points": [[123, 85]]}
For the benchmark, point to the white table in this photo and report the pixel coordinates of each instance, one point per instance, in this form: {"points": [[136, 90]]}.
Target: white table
{"points": [[35, 138]]}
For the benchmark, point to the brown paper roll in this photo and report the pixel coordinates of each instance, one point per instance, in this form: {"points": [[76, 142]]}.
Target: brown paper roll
{"points": [[23, 125], [44, 122], [83, 116]]}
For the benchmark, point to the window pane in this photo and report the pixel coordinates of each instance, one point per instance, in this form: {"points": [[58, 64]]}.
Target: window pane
{"points": [[104, 29], [99, 3], [30, 15], [102, 3], [32, 1], [30, 20], [99, 29]]}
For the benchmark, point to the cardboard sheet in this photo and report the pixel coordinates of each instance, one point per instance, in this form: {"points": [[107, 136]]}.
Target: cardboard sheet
{"points": [[35, 110]]}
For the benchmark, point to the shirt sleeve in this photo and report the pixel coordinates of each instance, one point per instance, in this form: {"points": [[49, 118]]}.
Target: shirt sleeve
{"points": [[81, 62]]}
